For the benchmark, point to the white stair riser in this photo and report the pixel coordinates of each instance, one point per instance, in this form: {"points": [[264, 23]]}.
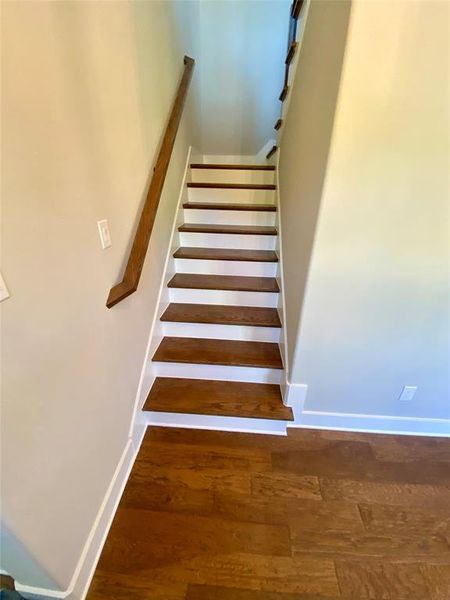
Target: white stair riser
{"points": [[220, 372], [226, 267], [222, 332], [231, 176], [229, 217], [228, 240], [231, 195], [230, 159], [213, 422], [230, 298]]}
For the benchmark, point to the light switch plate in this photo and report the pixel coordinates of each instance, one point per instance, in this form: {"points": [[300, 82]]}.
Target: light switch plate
{"points": [[4, 292], [103, 231], [408, 393]]}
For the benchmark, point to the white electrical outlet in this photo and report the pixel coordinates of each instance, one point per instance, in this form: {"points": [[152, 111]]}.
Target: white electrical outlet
{"points": [[408, 393], [103, 231], [4, 292]]}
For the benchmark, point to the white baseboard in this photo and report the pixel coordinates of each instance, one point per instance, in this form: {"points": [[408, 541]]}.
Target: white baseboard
{"points": [[295, 396], [90, 554], [374, 423]]}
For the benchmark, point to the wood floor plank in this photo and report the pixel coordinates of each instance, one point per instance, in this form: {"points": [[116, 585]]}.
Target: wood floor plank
{"points": [[382, 580], [438, 579], [356, 460], [356, 544], [225, 398], [309, 512], [113, 586], [254, 572], [405, 519], [191, 457], [290, 486], [325, 459], [255, 458], [210, 592], [255, 316], [230, 206], [402, 448], [411, 495], [196, 479], [230, 229], [228, 254], [167, 497], [219, 352], [184, 536], [237, 283]]}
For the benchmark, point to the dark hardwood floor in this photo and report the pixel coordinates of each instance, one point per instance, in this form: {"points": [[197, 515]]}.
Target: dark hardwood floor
{"points": [[315, 515]]}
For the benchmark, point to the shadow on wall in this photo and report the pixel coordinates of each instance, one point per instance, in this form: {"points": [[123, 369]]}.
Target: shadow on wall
{"points": [[240, 48], [17, 562]]}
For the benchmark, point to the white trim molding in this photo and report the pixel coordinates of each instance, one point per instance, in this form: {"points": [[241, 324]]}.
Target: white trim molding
{"points": [[374, 423], [295, 396], [280, 279]]}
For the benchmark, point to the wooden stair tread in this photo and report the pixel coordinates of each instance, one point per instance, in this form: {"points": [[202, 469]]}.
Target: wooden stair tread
{"points": [[232, 186], [235, 229], [219, 352], [231, 166], [222, 314], [226, 254], [238, 283], [221, 398], [223, 206]]}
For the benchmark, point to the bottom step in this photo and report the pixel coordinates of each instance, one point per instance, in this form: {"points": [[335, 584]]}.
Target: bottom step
{"points": [[220, 398]]}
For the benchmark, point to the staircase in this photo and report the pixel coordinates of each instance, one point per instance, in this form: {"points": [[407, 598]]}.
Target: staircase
{"points": [[218, 361]]}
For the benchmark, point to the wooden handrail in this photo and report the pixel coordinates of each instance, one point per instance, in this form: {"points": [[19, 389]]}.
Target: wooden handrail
{"points": [[135, 263]]}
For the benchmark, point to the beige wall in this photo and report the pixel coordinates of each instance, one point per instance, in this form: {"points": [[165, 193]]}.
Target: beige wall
{"points": [[376, 311], [305, 145], [242, 45], [86, 89]]}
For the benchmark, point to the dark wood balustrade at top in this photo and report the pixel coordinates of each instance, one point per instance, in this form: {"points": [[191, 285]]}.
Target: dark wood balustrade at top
{"points": [[133, 269], [292, 46]]}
